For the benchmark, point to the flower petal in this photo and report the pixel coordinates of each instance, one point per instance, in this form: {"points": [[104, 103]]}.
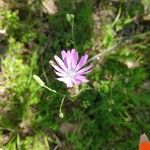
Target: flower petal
{"points": [[74, 56], [60, 63], [66, 80], [82, 78], [60, 74], [64, 57], [86, 70], [76, 81], [82, 61], [57, 68], [63, 54], [68, 59]]}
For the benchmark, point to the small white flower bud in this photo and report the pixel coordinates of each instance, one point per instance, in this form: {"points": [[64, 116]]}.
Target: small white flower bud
{"points": [[61, 115], [38, 80]]}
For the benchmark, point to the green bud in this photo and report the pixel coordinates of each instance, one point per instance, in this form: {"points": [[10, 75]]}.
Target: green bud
{"points": [[61, 115], [38, 80], [70, 17]]}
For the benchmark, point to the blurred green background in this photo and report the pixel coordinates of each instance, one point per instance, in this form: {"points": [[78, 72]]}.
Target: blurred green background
{"points": [[108, 113]]}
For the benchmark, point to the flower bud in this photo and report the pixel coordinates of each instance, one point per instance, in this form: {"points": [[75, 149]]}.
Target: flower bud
{"points": [[70, 17], [38, 80], [61, 115]]}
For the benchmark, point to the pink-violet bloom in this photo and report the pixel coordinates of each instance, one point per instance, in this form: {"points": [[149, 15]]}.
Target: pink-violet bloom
{"points": [[70, 69]]}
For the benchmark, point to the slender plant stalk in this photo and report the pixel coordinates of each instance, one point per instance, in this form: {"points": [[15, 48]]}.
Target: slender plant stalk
{"points": [[72, 31], [61, 114], [102, 53], [53, 91]]}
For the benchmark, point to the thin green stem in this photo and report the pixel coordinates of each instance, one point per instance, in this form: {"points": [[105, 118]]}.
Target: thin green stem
{"points": [[102, 53], [52, 90], [72, 31], [117, 17], [61, 104], [61, 114]]}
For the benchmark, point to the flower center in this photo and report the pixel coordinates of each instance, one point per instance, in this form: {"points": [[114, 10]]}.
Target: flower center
{"points": [[71, 72]]}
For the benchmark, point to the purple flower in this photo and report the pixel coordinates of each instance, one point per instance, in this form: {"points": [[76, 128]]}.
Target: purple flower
{"points": [[70, 69]]}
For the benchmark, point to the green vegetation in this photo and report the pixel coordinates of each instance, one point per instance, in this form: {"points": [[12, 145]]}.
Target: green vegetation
{"points": [[109, 112]]}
